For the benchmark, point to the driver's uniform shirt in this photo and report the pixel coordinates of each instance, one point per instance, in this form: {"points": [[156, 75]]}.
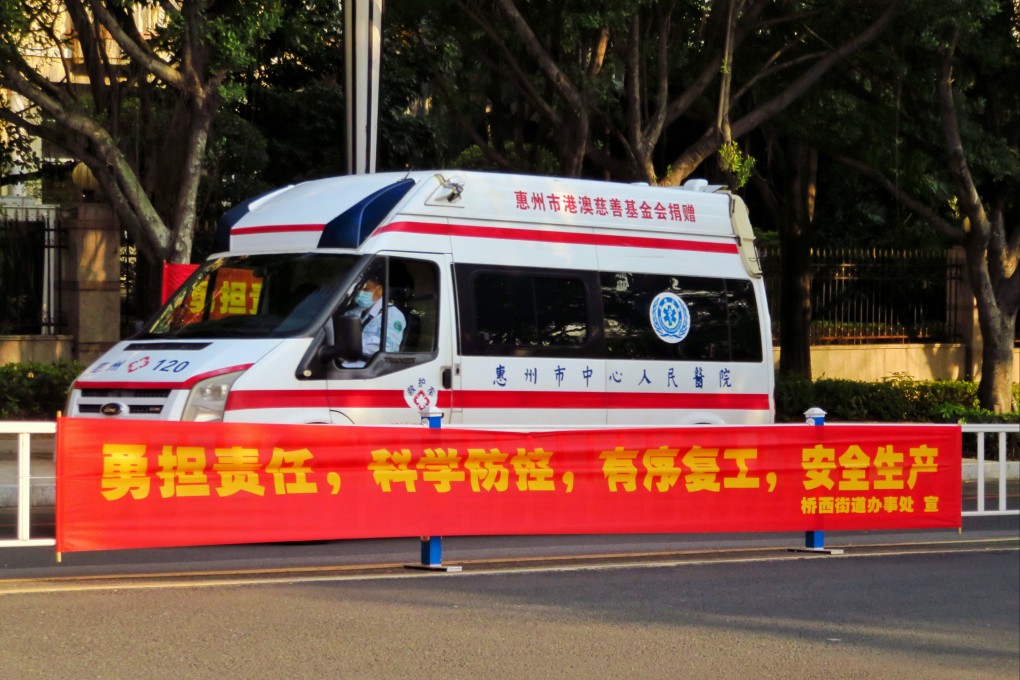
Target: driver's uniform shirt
{"points": [[371, 331]]}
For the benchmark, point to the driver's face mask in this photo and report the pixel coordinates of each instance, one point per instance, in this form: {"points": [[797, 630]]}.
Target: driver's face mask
{"points": [[364, 299]]}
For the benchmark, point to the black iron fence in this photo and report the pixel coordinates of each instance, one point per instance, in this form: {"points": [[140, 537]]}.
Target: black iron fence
{"points": [[861, 296], [31, 241]]}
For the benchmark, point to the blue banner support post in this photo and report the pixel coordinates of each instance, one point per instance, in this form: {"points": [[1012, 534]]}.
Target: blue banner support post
{"points": [[814, 541], [432, 546]]}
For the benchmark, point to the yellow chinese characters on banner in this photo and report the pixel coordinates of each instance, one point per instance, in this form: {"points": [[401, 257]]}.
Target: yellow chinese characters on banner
{"points": [[481, 469], [700, 468], [235, 292], [863, 482], [182, 472]]}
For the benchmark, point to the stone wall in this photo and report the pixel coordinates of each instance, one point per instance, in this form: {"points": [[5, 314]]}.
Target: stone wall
{"points": [[91, 287], [937, 361], [43, 349]]}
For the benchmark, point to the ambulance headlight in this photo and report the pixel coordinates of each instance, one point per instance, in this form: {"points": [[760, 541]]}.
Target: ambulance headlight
{"points": [[208, 398]]}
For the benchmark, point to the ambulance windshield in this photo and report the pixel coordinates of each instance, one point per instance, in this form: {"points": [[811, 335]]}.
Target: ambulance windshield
{"points": [[252, 296]]}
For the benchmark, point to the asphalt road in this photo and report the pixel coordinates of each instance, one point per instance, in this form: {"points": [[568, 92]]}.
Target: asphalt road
{"points": [[947, 613], [41, 562], [933, 604]]}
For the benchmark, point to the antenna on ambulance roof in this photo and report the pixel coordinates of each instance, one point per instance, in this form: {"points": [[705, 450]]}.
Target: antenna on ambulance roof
{"points": [[701, 185]]}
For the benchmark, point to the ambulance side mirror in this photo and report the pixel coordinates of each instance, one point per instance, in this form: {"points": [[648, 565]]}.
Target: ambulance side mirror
{"points": [[346, 339]]}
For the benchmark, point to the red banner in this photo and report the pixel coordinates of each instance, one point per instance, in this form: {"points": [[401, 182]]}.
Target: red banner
{"points": [[150, 484], [174, 275]]}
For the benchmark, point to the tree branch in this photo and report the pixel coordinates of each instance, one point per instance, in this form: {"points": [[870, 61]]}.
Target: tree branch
{"points": [[711, 69], [509, 66], [948, 231], [140, 52], [657, 121], [813, 74], [958, 168], [545, 62], [709, 143], [598, 55], [632, 87]]}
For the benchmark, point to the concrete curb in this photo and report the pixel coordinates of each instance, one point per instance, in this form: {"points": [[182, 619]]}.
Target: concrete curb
{"points": [[970, 470], [44, 492]]}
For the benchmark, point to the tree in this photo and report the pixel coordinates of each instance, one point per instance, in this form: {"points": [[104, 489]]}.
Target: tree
{"points": [[288, 123], [131, 89], [789, 195], [651, 90], [645, 90], [961, 128]]}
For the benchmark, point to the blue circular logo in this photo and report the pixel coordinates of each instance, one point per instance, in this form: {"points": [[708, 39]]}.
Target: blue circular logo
{"points": [[670, 317]]}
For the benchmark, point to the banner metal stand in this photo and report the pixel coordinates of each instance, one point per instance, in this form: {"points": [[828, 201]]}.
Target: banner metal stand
{"points": [[432, 546], [814, 541]]}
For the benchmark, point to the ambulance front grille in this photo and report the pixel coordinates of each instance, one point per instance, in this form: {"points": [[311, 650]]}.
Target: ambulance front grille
{"points": [[133, 409], [124, 401], [92, 393]]}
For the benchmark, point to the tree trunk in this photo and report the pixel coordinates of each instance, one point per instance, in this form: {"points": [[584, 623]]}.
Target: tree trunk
{"points": [[795, 310], [574, 144], [997, 319], [795, 166], [185, 207], [993, 254], [148, 286], [994, 392]]}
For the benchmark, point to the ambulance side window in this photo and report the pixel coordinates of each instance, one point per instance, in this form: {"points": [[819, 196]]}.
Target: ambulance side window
{"points": [[723, 318], [745, 328], [525, 312], [412, 287]]}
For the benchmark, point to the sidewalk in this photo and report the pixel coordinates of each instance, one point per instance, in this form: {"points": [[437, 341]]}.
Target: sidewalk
{"points": [[44, 493], [43, 475], [43, 447]]}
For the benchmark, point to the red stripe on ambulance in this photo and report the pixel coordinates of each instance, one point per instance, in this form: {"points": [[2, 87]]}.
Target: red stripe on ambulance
{"points": [[574, 238], [348, 399]]}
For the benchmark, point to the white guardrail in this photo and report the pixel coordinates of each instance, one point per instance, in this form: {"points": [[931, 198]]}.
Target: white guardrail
{"points": [[979, 431], [23, 430], [23, 479]]}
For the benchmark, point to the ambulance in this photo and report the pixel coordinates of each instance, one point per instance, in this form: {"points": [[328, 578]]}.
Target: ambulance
{"points": [[501, 301]]}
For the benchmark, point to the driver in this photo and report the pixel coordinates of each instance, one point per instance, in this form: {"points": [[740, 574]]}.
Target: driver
{"points": [[369, 305]]}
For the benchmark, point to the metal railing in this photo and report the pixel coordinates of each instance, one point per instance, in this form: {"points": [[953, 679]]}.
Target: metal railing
{"points": [[31, 241], [979, 431], [857, 294], [24, 431]]}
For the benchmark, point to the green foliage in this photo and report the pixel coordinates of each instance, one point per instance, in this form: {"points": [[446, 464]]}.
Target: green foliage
{"points": [[35, 391], [236, 34], [15, 144], [236, 160], [528, 158], [737, 163], [898, 398]]}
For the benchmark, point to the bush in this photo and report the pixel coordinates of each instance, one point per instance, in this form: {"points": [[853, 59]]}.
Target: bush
{"points": [[34, 391], [897, 399]]}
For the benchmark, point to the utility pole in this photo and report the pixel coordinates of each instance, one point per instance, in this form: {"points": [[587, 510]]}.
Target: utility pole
{"points": [[362, 51]]}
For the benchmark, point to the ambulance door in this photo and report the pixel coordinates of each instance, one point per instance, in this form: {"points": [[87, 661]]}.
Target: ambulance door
{"points": [[406, 342], [530, 343]]}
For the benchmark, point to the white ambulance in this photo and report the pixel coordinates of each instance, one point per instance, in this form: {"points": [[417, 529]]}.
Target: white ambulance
{"points": [[499, 301]]}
